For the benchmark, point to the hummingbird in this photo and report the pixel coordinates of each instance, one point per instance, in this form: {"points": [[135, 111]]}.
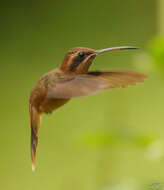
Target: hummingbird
{"points": [[72, 80]]}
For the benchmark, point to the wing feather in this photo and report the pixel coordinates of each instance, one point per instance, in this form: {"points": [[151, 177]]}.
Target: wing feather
{"points": [[118, 78], [92, 82]]}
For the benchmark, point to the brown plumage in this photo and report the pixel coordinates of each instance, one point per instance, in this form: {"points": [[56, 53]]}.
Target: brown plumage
{"points": [[72, 80]]}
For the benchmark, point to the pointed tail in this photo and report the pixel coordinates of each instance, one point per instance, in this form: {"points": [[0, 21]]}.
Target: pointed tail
{"points": [[35, 124]]}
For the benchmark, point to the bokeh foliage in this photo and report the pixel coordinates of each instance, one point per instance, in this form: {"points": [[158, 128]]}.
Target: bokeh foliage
{"points": [[156, 50]]}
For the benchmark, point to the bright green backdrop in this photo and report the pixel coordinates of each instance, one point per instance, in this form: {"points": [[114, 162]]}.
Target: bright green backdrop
{"points": [[112, 140]]}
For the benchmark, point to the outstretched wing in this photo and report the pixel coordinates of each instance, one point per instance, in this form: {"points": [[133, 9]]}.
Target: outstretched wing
{"points": [[91, 83], [118, 79]]}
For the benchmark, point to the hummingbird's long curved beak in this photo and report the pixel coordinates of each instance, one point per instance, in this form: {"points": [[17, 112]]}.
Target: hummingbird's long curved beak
{"points": [[113, 49]]}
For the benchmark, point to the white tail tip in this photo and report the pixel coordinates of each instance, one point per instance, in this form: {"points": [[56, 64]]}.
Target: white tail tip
{"points": [[33, 167]]}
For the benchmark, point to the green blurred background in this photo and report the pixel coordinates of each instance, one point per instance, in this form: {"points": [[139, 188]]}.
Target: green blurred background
{"points": [[109, 141]]}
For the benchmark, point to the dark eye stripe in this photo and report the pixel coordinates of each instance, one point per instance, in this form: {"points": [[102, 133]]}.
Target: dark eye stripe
{"points": [[76, 61]]}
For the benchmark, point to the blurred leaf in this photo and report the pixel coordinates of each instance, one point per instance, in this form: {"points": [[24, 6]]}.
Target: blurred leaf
{"points": [[100, 139], [144, 140], [156, 49], [114, 137]]}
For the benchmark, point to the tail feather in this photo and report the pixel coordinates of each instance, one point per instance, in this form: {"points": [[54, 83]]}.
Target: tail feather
{"points": [[35, 124], [34, 143]]}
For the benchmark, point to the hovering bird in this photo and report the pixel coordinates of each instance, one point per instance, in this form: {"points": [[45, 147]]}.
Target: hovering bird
{"points": [[72, 79]]}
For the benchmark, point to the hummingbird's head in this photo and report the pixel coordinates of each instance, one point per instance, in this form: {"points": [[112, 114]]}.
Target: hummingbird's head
{"points": [[79, 59]]}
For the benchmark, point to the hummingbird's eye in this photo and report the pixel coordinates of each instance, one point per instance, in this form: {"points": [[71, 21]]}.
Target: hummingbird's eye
{"points": [[81, 54]]}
